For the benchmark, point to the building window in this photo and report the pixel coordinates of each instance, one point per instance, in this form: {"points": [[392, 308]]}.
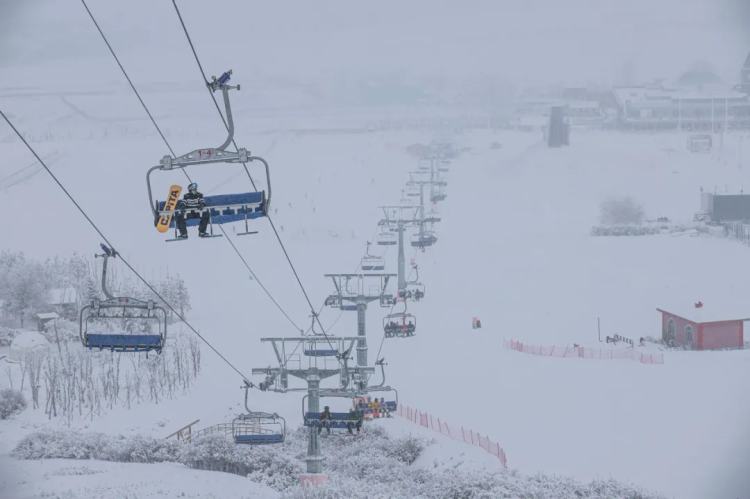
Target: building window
{"points": [[689, 336]]}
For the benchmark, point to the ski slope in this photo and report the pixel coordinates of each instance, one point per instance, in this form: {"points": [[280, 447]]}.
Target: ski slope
{"points": [[514, 249]]}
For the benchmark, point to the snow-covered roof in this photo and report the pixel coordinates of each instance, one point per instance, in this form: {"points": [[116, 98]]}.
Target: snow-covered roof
{"points": [[45, 316], [710, 311]]}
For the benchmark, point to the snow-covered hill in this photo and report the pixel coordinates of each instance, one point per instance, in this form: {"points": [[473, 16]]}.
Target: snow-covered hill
{"points": [[514, 250]]}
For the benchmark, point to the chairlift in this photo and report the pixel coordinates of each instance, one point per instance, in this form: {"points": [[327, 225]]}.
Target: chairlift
{"points": [[258, 428], [387, 238], [333, 301], [414, 291], [423, 239], [338, 420], [319, 347], [413, 191], [386, 407], [438, 194], [221, 208], [372, 262], [387, 301], [400, 325], [142, 323]]}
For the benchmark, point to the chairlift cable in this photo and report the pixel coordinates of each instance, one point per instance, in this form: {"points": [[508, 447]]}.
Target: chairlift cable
{"points": [[122, 258], [268, 216], [127, 77], [166, 142]]}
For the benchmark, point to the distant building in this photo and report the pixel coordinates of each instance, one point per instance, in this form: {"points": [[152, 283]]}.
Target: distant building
{"points": [[64, 301], [700, 328], [721, 208], [43, 318], [683, 109], [697, 100]]}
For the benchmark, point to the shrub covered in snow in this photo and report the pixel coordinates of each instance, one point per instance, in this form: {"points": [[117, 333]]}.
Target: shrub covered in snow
{"points": [[620, 211], [11, 402], [275, 466], [365, 466], [50, 444], [624, 230], [6, 336]]}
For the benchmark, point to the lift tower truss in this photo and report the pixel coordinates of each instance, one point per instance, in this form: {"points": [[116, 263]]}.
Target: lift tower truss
{"points": [[352, 293], [397, 218], [324, 357]]}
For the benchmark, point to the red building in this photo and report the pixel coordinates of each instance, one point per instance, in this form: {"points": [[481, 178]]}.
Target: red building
{"points": [[697, 328]]}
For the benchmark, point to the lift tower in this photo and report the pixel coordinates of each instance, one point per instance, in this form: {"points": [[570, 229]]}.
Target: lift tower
{"points": [[353, 293], [396, 219], [437, 165], [421, 184], [314, 358]]}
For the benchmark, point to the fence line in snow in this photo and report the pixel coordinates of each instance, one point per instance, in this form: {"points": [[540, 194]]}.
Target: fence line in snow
{"points": [[461, 434], [569, 352]]}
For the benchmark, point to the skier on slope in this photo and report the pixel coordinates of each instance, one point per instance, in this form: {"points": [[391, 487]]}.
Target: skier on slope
{"points": [[188, 207]]}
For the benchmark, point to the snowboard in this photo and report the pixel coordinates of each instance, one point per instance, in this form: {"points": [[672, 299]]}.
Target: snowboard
{"points": [[162, 224]]}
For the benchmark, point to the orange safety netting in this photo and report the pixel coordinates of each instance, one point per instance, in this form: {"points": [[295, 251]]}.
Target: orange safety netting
{"points": [[467, 436], [585, 352]]}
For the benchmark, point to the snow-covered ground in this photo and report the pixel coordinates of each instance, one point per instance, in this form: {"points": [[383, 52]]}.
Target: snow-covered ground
{"points": [[514, 249]]}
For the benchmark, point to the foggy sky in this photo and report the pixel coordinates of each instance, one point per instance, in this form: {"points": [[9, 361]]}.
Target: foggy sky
{"points": [[524, 41]]}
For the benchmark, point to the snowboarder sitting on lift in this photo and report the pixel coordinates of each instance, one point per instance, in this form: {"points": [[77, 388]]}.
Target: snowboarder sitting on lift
{"points": [[191, 202], [325, 420]]}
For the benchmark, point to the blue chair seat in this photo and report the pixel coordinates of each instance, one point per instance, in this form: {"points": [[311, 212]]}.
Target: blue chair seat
{"points": [[338, 419], [125, 342], [227, 208], [321, 353], [263, 438]]}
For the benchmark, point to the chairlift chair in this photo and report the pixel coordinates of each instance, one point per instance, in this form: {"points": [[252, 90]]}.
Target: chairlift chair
{"points": [[387, 301], [423, 239], [438, 194], [387, 238], [142, 324], [222, 208], [372, 262], [414, 291], [400, 325], [258, 428], [312, 348]]}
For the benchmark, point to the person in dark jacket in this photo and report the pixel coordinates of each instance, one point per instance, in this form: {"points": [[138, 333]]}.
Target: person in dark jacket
{"points": [[325, 420], [354, 421], [189, 207]]}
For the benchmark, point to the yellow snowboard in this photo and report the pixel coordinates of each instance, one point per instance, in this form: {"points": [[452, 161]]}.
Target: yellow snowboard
{"points": [[165, 218]]}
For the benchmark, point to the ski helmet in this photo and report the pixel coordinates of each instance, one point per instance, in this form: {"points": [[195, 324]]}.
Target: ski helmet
{"points": [[193, 187]]}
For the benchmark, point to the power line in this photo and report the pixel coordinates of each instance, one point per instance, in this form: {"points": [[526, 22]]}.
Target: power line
{"points": [[270, 220], [122, 258], [166, 142], [130, 82]]}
